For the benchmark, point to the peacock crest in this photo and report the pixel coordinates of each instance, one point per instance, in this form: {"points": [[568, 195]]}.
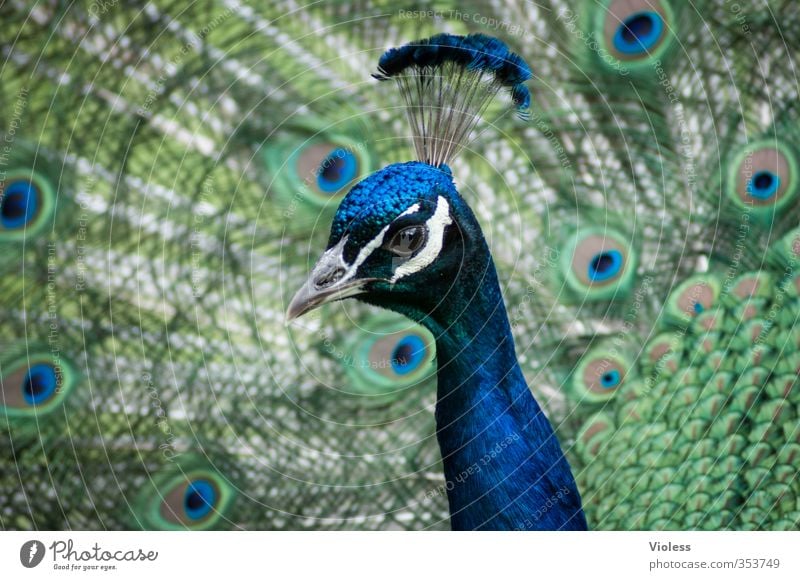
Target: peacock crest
{"points": [[447, 82]]}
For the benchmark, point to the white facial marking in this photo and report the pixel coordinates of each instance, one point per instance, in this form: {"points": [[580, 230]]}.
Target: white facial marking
{"points": [[374, 244], [425, 257], [413, 209]]}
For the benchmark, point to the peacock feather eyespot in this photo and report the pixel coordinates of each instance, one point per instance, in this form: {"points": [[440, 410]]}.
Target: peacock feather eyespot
{"points": [[193, 495], [40, 384], [326, 168], [408, 354], [639, 32], [692, 298], [764, 185], [658, 347], [199, 499], [605, 265], [312, 166], [191, 502], [599, 374], [762, 180], [599, 264], [610, 379], [26, 202], [19, 204], [337, 170], [634, 32], [749, 287], [387, 355], [35, 384]]}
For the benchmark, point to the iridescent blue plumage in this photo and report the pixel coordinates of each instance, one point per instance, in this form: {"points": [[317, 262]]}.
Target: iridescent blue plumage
{"points": [[503, 464], [387, 193]]}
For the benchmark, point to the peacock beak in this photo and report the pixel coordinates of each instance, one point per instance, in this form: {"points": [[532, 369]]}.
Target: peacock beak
{"points": [[331, 279]]}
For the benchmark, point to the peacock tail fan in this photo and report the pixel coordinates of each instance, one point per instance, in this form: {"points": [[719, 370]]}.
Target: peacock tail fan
{"points": [[170, 165], [702, 434]]}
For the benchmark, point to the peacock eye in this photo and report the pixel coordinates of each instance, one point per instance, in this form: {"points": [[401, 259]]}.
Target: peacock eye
{"points": [[762, 179], [635, 31], [408, 240], [336, 170], [26, 203], [40, 384], [35, 387], [599, 374], [385, 356], [602, 266], [638, 33], [193, 496]]}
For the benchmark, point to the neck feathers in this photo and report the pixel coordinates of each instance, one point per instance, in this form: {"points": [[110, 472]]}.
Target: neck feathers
{"points": [[502, 461]]}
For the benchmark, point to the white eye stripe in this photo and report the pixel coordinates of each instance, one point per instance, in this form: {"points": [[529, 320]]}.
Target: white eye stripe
{"points": [[374, 244], [430, 251], [413, 209], [424, 258], [365, 252]]}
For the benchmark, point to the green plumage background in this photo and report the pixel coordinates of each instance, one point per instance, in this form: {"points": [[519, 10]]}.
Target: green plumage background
{"points": [[174, 146]]}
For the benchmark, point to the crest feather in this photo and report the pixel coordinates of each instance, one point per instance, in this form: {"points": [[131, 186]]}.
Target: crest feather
{"points": [[447, 81]]}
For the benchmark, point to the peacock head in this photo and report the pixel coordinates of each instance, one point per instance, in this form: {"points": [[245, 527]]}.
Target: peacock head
{"points": [[400, 239], [403, 238]]}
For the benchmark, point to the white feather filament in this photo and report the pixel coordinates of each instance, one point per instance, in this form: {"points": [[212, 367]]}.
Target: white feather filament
{"points": [[444, 104]]}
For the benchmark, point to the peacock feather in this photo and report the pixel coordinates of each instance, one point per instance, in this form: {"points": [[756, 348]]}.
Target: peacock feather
{"points": [[171, 171]]}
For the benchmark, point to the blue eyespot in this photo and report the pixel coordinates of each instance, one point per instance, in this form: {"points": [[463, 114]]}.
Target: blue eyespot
{"points": [[698, 308], [199, 499], [605, 265], [763, 185], [408, 354], [639, 33], [610, 379], [338, 169], [19, 205], [40, 384]]}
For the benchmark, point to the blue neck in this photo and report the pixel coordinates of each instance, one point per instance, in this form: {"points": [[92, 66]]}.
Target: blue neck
{"points": [[502, 462]]}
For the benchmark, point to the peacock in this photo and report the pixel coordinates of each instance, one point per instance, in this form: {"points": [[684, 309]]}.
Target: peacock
{"points": [[404, 239], [170, 173]]}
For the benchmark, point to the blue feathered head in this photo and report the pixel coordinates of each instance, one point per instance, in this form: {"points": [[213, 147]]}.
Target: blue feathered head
{"points": [[403, 231]]}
